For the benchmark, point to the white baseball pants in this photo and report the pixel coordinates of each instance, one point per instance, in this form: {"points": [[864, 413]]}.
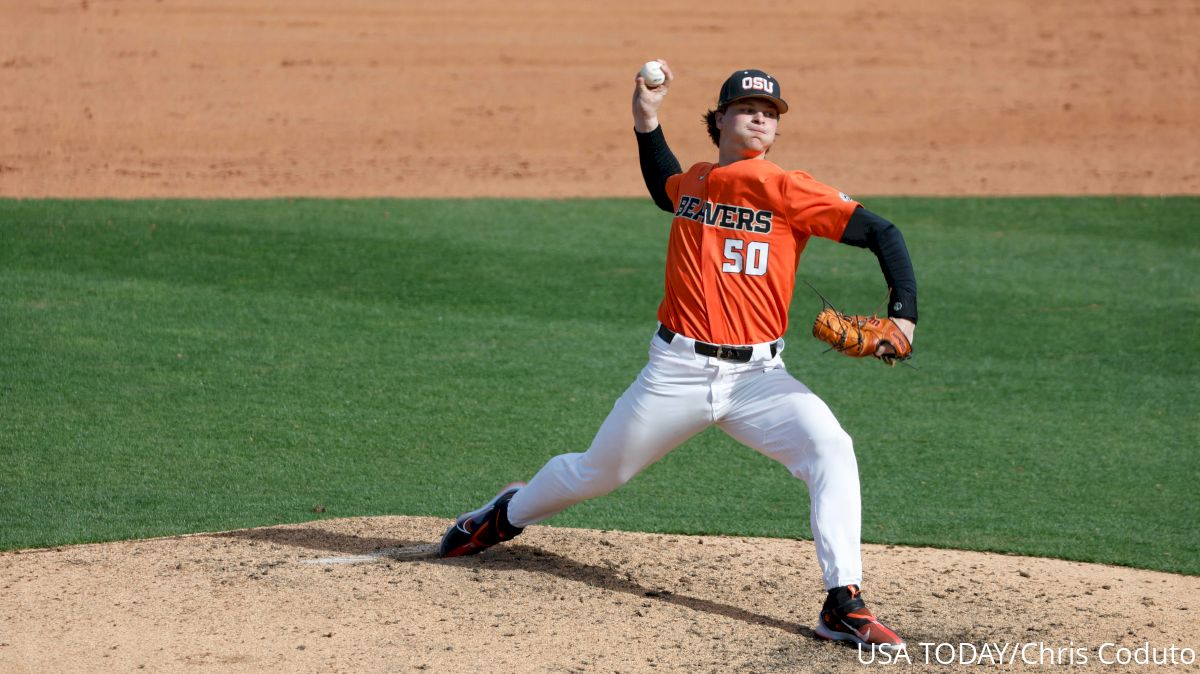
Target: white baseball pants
{"points": [[680, 393]]}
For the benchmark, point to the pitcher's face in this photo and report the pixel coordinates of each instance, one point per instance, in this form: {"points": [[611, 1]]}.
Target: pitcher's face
{"points": [[749, 125]]}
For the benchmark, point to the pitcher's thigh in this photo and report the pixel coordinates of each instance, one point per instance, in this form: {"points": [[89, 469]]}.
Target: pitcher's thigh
{"points": [[650, 419], [779, 416], [645, 423]]}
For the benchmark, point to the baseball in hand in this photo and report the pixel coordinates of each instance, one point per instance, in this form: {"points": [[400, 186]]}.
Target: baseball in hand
{"points": [[652, 73]]}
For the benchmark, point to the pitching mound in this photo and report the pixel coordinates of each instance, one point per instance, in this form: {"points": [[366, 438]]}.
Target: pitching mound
{"points": [[367, 595]]}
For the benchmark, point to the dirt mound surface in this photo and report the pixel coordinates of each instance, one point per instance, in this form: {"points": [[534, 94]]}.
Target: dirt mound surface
{"points": [[367, 595]]}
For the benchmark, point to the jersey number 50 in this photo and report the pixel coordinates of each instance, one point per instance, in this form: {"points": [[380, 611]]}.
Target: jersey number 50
{"points": [[753, 263]]}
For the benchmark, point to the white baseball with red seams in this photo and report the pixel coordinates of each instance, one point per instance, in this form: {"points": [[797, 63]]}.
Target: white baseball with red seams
{"points": [[653, 74]]}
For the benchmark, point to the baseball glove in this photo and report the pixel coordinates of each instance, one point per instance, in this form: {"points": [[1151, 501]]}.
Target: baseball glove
{"points": [[860, 336]]}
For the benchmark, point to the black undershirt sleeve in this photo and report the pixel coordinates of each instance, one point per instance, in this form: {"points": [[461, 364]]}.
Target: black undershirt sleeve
{"points": [[658, 164], [868, 230]]}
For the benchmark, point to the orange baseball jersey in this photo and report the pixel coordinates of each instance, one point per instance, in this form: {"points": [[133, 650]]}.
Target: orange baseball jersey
{"points": [[735, 244]]}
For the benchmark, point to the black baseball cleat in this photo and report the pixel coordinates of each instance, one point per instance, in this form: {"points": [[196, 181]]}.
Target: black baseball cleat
{"points": [[845, 617], [479, 530]]}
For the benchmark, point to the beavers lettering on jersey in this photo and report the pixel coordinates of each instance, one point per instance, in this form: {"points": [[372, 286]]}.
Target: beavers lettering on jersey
{"points": [[724, 215]]}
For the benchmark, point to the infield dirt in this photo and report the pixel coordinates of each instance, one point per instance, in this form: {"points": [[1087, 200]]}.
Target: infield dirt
{"points": [[371, 98], [124, 98]]}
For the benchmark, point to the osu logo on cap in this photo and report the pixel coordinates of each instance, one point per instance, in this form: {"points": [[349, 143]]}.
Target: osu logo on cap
{"points": [[759, 83]]}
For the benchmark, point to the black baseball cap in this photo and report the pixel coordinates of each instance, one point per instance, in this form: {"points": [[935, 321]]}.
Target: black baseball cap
{"points": [[751, 83]]}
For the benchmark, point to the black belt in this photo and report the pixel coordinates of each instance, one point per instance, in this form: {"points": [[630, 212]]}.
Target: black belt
{"points": [[741, 354]]}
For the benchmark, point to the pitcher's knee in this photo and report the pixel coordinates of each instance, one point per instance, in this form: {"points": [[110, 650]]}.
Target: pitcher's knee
{"points": [[833, 445], [833, 454], [831, 450]]}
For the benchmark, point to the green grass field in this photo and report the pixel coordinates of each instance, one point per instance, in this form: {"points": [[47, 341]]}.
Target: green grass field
{"points": [[178, 366]]}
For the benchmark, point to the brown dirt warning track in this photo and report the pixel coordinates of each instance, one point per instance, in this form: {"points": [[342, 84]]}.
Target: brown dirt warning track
{"points": [[127, 98], [158, 98]]}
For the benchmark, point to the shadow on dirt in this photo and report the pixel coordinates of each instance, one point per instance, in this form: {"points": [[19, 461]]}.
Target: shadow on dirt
{"points": [[319, 540], [511, 558], [537, 560]]}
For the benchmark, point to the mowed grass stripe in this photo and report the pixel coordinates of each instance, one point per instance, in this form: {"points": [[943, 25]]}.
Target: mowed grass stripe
{"points": [[173, 366]]}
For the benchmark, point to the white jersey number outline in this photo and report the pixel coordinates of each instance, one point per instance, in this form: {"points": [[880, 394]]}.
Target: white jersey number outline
{"points": [[753, 263]]}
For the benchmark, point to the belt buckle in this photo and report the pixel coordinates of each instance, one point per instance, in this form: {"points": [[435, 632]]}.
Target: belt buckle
{"points": [[726, 352]]}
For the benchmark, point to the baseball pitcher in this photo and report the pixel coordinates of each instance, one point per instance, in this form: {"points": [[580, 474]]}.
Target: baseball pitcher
{"points": [[738, 228]]}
